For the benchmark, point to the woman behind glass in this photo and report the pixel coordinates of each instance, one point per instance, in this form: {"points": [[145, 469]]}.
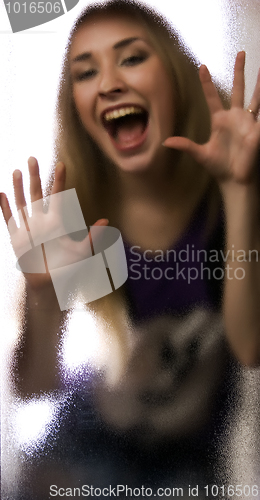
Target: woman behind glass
{"points": [[150, 145]]}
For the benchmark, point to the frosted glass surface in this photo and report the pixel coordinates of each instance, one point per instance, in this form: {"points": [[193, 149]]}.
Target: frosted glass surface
{"points": [[30, 61]]}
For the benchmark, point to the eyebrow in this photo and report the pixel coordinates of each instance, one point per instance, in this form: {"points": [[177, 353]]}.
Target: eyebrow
{"points": [[125, 42], [122, 43]]}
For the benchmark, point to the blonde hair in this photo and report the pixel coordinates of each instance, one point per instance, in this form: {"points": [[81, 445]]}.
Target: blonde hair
{"points": [[87, 167]]}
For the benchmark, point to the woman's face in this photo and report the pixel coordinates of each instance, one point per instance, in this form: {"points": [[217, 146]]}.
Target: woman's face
{"points": [[122, 91]]}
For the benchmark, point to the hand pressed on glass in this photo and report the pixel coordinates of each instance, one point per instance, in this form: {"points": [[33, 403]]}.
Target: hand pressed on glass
{"points": [[46, 228], [232, 150]]}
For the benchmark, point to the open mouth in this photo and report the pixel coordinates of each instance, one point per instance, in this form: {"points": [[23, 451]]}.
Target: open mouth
{"points": [[126, 126]]}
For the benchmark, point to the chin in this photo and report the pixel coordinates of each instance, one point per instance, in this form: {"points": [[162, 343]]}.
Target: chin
{"points": [[143, 162], [133, 166]]}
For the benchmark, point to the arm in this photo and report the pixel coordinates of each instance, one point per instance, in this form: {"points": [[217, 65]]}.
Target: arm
{"points": [[36, 357], [231, 156], [36, 354], [242, 296]]}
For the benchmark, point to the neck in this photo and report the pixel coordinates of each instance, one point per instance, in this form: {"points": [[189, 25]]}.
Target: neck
{"points": [[154, 207], [168, 186]]}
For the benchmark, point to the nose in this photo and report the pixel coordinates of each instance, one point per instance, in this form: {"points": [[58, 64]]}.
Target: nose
{"points": [[111, 83]]}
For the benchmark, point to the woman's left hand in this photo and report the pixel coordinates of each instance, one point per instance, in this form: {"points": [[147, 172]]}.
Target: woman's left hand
{"points": [[233, 147]]}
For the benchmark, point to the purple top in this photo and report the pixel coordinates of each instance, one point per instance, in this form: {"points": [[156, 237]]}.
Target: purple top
{"points": [[180, 279]]}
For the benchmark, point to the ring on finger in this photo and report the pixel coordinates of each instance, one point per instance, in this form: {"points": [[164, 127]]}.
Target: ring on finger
{"points": [[252, 112]]}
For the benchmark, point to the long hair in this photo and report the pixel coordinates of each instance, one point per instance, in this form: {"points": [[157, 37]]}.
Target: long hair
{"points": [[87, 167]]}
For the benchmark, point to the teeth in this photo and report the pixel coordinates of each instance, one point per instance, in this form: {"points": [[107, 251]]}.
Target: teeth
{"points": [[117, 113]]}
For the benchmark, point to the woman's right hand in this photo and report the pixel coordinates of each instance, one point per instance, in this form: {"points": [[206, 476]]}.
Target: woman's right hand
{"points": [[66, 250]]}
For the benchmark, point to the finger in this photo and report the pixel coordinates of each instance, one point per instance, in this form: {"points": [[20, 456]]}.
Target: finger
{"points": [[210, 91], [56, 204], [186, 145], [101, 222], [97, 233], [238, 90], [35, 181], [18, 189], [255, 101], [7, 213], [59, 178]]}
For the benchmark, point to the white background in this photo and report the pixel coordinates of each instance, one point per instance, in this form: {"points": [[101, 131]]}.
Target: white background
{"points": [[30, 63]]}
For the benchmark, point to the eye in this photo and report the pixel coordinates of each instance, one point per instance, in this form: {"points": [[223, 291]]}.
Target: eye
{"points": [[85, 75], [134, 60]]}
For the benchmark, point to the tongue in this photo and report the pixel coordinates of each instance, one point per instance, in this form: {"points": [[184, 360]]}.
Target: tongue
{"points": [[129, 132]]}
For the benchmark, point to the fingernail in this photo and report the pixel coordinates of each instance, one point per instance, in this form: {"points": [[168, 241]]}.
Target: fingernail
{"points": [[17, 175], [2, 200], [103, 222], [32, 162]]}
